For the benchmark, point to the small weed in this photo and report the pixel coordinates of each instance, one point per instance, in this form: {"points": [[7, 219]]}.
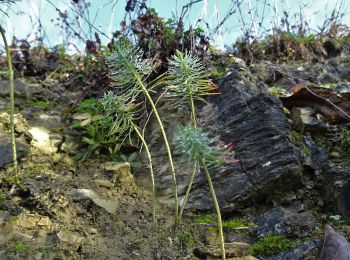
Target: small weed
{"points": [[271, 245], [132, 158], [139, 243], [335, 220], [13, 219], [16, 250], [322, 141], [186, 239]]}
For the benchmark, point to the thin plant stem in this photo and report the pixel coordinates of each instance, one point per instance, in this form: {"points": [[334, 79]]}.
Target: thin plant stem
{"points": [[165, 138], [217, 208], [12, 105], [151, 173], [194, 170], [167, 147], [188, 190]]}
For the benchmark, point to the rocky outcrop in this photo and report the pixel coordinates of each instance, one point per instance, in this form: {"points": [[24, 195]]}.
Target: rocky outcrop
{"points": [[254, 122]]}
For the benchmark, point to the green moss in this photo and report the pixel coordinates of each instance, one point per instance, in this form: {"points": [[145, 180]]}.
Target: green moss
{"points": [[206, 219], [38, 103], [16, 250], [298, 139], [229, 223], [237, 223], [276, 91], [271, 245]]}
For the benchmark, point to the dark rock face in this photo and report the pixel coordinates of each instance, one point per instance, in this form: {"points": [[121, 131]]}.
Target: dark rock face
{"points": [[255, 123], [290, 222]]}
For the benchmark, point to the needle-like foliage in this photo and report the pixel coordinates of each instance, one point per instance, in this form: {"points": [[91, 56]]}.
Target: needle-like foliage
{"points": [[130, 72], [187, 80], [187, 83], [122, 113], [128, 67], [194, 144]]}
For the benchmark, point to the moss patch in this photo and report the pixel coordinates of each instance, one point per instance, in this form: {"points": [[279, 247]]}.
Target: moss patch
{"points": [[229, 223], [277, 92], [271, 245], [38, 103]]}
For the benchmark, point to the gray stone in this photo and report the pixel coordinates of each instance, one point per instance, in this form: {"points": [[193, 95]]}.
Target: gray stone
{"points": [[21, 89], [46, 142], [20, 123], [6, 232], [6, 149], [304, 119], [286, 221], [317, 160], [108, 204], [69, 237]]}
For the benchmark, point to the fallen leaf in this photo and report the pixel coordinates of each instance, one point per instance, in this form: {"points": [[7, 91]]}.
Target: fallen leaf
{"points": [[325, 102]]}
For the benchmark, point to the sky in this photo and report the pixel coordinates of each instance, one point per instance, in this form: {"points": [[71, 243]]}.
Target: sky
{"points": [[23, 18]]}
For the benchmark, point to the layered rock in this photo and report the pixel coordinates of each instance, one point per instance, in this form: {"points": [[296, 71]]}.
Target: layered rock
{"points": [[254, 122]]}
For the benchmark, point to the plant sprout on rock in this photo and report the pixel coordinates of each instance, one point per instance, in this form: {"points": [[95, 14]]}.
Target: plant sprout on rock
{"points": [[188, 83], [193, 144]]}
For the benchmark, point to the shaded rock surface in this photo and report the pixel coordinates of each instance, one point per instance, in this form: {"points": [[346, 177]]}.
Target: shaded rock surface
{"points": [[336, 188], [255, 123], [291, 222]]}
